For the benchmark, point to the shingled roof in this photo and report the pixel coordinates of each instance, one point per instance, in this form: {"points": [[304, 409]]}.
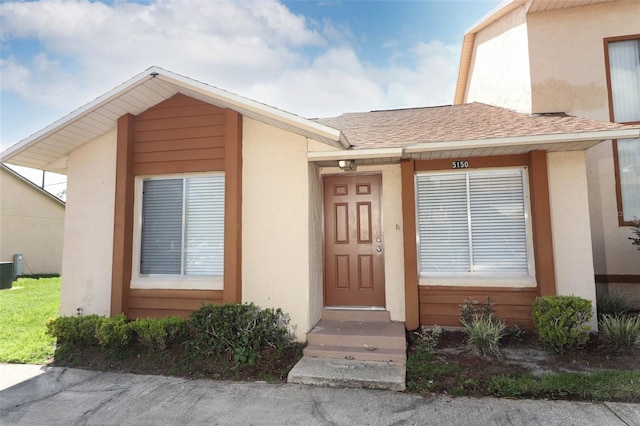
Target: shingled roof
{"points": [[466, 122]]}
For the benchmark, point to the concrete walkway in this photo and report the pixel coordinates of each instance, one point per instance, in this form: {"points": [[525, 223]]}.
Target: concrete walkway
{"points": [[34, 395]]}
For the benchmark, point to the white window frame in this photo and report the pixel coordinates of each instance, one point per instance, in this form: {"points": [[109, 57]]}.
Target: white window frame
{"points": [[482, 278], [167, 282]]}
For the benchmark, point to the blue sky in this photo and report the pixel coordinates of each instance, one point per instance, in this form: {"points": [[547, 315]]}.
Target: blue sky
{"points": [[314, 59]]}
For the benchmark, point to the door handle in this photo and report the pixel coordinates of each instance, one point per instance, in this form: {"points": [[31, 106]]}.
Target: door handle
{"points": [[378, 249]]}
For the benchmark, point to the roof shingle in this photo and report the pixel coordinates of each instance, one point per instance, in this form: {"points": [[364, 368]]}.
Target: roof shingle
{"points": [[473, 121]]}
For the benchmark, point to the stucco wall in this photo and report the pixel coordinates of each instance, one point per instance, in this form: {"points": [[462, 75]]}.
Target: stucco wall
{"points": [[567, 56], [31, 223], [88, 232], [316, 258], [392, 234], [275, 216], [499, 73], [568, 74], [572, 252]]}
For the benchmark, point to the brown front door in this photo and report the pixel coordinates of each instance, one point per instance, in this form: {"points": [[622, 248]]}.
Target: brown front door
{"points": [[354, 255]]}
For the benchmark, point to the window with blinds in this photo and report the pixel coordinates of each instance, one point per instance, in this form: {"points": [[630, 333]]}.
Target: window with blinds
{"points": [[472, 222], [624, 91], [182, 229]]}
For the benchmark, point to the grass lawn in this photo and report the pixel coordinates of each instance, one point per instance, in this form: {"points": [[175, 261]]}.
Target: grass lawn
{"points": [[24, 311]]}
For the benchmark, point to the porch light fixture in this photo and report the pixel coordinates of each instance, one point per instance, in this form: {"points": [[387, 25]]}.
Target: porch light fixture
{"points": [[347, 165]]}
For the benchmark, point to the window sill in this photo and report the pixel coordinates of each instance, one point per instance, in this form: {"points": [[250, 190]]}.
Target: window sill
{"points": [[178, 283], [478, 281]]}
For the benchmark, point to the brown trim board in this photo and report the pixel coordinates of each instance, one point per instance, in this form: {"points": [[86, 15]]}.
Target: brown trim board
{"points": [[624, 279], [123, 216], [411, 296]]}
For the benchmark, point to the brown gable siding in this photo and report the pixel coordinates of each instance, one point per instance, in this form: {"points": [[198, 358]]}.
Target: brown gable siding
{"points": [[179, 135]]}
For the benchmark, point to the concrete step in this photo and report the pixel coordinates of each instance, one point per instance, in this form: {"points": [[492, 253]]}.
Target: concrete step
{"points": [[364, 315], [358, 334], [365, 353], [349, 373]]}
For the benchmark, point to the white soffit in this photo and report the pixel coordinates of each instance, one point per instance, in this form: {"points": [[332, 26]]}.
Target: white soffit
{"points": [[137, 95]]}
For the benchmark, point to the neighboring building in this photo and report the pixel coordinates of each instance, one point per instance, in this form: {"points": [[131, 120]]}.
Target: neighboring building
{"points": [[31, 224], [581, 57], [179, 193]]}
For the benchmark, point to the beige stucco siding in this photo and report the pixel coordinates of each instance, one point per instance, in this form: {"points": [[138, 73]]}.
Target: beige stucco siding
{"points": [[568, 74], [275, 222], [567, 56], [316, 258], [31, 223], [499, 73], [570, 225], [392, 234], [88, 233]]}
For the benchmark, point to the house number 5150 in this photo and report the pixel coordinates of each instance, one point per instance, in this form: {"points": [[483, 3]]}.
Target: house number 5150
{"points": [[460, 164]]}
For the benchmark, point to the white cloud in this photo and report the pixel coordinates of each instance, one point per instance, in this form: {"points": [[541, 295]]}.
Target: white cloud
{"points": [[256, 49]]}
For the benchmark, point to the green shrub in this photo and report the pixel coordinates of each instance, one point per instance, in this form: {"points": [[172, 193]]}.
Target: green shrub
{"points": [[159, 333], [237, 333], [113, 332], [560, 321], [427, 339], [612, 304], [621, 332], [484, 333], [75, 331]]}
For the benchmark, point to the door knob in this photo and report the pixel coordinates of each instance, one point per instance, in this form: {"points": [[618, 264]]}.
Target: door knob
{"points": [[378, 249]]}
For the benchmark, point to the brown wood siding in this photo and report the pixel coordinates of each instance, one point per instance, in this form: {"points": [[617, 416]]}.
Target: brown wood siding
{"points": [[179, 135], [441, 304], [162, 303]]}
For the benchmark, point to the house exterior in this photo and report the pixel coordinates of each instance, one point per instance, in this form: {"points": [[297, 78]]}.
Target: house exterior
{"points": [[579, 57], [180, 193], [31, 224]]}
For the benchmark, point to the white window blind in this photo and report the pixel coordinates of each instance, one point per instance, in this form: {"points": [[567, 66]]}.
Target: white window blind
{"points": [[629, 167], [161, 240], [624, 71], [183, 226], [205, 226], [472, 222]]}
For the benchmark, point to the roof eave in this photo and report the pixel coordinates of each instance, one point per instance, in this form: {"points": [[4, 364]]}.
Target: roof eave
{"points": [[358, 154], [557, 138], [70, 118], [224, 99]]}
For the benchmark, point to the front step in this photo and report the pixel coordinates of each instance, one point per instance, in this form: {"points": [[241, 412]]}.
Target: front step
{"points": [[357, 340], [349, 374], [354, 348], [362, 354]]}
